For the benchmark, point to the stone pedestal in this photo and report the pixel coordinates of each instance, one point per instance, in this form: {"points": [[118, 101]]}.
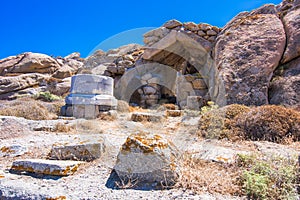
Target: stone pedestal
{"points": [[89, 94]]}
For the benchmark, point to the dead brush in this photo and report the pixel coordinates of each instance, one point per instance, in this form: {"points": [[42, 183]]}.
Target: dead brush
{"points": [[64, 127], [127, 183], [203, 176], [27, 108]]}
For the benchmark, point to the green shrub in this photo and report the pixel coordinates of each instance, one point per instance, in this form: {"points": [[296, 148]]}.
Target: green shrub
{"points": [[47, 96], [274, 178]]}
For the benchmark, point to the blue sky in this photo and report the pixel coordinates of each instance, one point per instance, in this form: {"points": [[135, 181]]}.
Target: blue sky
{"points": [[60, 27]]}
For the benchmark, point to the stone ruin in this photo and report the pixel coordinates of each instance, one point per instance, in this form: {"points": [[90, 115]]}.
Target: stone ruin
{"points": [[89, 95]]}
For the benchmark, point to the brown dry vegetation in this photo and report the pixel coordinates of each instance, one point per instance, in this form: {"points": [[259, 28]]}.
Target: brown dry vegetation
{"points": [[271, 123], [237, 122], [27, 108], [203, 176], [217, 123]]}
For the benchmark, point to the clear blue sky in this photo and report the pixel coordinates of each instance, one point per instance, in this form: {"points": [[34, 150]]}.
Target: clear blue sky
{"points": [[60, 27]]}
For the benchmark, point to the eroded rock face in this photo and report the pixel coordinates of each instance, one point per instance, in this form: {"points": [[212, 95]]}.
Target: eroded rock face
{"points": [[291, 22], [11, 84], [285, 85], [28, 63], [247, 52], [147, 159]]}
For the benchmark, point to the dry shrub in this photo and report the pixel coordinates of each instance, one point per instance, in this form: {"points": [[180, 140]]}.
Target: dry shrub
{"points": [[271, 123], [217, 123], [64, 127], [54, 107], [93, 126], [27, 108], [204, 176], [137, 109]]}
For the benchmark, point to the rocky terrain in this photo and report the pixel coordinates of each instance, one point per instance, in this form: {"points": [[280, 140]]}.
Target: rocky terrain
{"points": [[203, 113]]}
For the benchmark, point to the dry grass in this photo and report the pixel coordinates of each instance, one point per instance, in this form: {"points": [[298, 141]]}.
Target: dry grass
{"points": [[65, 128], [27, 108], [137, 109], [93, 126], [202, 176]]}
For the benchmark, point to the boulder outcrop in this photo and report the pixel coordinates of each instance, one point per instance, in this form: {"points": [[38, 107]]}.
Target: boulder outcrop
{"points": [[247, 52]]}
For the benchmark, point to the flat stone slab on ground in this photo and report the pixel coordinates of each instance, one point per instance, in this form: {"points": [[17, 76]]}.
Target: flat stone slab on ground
{"points": [[46, 167], [142, 117], [83, 151]]}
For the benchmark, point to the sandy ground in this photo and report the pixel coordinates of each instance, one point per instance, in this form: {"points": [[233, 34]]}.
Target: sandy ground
{"points": [[93, 180]]}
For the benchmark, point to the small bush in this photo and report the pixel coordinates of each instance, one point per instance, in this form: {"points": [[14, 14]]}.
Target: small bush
{"points": [[47, 96], [217, 123], [27, 108], [275, 178], [270, 122]]}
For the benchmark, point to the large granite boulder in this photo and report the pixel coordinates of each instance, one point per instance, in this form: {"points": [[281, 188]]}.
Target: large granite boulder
{"points": [[28, 63], [285, 85], [147, 159], [247, 52], [291, 23]]}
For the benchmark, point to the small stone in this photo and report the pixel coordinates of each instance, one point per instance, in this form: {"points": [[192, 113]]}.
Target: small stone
{"points": [[211, 33], [149, 90], [204, 27], [173, 113], [46, 167], [199, 84], [142, 117], [201, 33], [129, 57], [195, 102], [12, 150], [191, 26], [84, 151], [216, 29], [212, 38], [172, 24]]}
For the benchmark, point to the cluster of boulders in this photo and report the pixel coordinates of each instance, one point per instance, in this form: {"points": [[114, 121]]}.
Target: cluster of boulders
{"points": [[30, 73], [205, 31], [255, 56], [113, 63]]}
